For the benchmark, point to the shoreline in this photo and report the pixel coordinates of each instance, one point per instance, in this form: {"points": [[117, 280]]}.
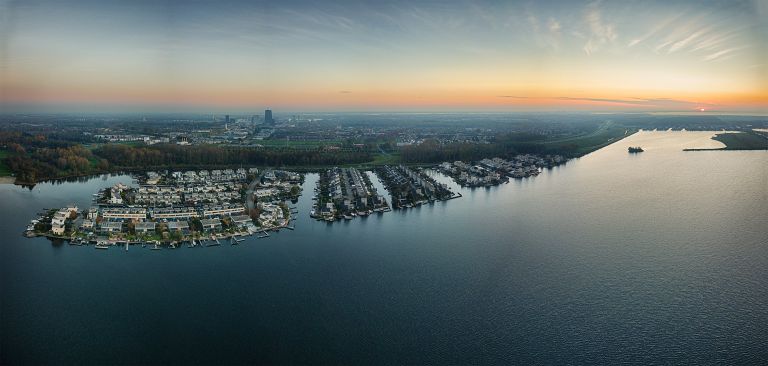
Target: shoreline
{"points": [[368, 165], [725, 149]]}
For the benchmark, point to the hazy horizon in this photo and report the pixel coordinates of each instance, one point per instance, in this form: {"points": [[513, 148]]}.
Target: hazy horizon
{"points": [[240, 112]]}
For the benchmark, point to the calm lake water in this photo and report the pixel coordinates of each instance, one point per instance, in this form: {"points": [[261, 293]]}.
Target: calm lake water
{"points": [[659, 257]]}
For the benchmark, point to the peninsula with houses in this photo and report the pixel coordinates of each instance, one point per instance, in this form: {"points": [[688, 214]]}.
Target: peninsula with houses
{"points": [[178, 208]]}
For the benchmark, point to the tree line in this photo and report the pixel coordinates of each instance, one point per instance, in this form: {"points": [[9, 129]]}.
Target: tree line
{"points": [[507, 145], [34, 158], [165, 155]]}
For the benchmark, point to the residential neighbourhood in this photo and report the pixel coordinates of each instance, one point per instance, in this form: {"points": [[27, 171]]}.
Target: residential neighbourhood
{"points": [[490, 172], [175, 207]]}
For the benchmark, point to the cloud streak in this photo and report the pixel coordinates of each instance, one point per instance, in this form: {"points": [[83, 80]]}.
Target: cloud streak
{"points": [[640, 102], [600, 31]]}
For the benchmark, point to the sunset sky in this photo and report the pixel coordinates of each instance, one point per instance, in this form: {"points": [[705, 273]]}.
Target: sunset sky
{"points": [[384, 55]]}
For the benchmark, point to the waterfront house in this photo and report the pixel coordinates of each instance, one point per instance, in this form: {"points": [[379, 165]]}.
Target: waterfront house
{"points": [[60, 217], [211, 224], [116, 194], [145, 227], [71, 209], [241, 220], [111, 227], [178, 225], [57, 229]]}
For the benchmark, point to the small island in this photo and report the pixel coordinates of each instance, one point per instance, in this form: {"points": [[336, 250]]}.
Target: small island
{"points": [[635, 149]]}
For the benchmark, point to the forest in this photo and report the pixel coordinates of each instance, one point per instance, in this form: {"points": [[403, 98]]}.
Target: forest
{"points": [[35, 158], [505, 145]]}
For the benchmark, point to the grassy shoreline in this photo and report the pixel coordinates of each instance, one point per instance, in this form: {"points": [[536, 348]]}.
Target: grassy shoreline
{"points": [[738, 141]]}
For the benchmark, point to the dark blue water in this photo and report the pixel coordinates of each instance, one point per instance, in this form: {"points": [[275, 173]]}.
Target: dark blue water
{"points": [[660, 257]]}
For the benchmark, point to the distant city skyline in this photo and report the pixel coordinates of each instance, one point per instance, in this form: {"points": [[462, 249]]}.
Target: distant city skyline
{"points": [[234, 56]]}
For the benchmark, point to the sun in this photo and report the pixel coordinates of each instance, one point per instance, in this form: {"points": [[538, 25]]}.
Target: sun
{"points": [[702, 109]]}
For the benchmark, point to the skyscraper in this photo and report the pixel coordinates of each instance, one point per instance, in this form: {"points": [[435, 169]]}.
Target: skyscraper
{"points": [[268, 117], [226, 119]]}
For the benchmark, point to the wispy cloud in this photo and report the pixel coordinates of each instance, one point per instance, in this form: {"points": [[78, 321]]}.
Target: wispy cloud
{"points": [[706, 35], [655, 30], [600, 31], [716, 40], [682, 43], [546, 34], [554, 26], [723, 54], [664, 103]]}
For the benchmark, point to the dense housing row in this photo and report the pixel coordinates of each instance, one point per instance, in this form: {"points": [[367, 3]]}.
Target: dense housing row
{"points": [[489, 172], [412, 187], [344, 193]]}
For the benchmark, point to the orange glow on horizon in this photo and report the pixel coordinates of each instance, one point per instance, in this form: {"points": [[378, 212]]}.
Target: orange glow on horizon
{"points": [[533, 97]]}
